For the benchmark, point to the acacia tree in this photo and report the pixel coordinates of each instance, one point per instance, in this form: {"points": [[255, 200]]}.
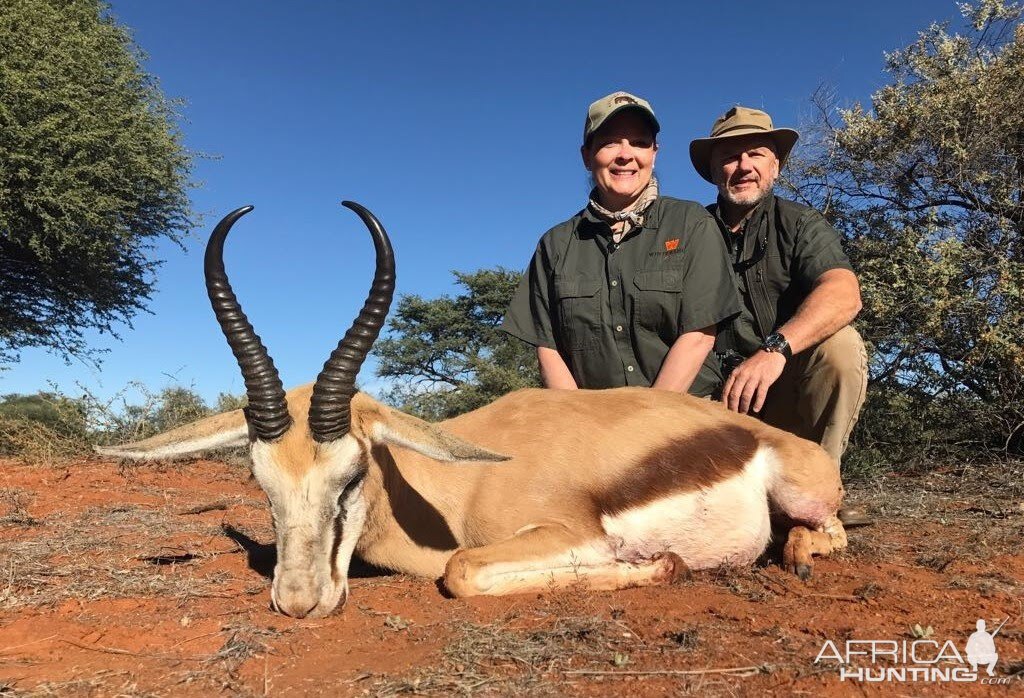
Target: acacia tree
{"points": [[926, 186], [92, 173], [448, 355]]}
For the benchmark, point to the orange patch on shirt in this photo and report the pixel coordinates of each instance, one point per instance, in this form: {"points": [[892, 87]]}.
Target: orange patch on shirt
{"points": [[671, 244]]}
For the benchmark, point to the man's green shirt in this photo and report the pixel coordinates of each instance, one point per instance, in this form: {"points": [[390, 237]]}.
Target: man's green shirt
{"points": [[778, 254], [613, 310]]}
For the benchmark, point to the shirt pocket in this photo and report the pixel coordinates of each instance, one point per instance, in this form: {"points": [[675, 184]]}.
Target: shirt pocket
{"points": [[579, 311], [659, 298]]}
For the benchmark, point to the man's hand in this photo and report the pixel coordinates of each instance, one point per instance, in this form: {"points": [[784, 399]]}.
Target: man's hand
{"points": [[748, 384]]}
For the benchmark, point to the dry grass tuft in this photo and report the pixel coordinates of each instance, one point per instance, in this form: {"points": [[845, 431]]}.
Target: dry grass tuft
{"points": [[243, 642], [746, 583], [97, 555], [35, 443], [685, 639], [104, 683], [868, 591], [497, 658], [14, 505], [51, 428], [945, 504]]}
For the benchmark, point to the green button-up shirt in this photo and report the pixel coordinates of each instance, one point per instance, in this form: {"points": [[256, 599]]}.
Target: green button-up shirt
{"points": [[781, 251], [613, 310]]}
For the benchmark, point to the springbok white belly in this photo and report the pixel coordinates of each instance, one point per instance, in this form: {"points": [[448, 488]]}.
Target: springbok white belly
{"points": [[725, 524]]}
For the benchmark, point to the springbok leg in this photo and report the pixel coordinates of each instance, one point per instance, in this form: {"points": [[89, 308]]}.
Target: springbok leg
{"points": [[803, 544], [549, 557]]}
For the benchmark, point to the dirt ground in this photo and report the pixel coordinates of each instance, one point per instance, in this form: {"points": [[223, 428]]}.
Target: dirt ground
{"points": [[151, 580]]}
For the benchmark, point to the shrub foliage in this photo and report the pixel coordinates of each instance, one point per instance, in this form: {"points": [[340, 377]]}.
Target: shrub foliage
{"points": [[926, 186], [52, 427], [92, 173], [447, 353]]}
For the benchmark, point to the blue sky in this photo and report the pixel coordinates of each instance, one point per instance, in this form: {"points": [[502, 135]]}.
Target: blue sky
{"points": [[457, 123]]}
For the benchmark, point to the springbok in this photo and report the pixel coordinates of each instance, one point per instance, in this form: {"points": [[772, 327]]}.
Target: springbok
{"points": [[537, 490]]}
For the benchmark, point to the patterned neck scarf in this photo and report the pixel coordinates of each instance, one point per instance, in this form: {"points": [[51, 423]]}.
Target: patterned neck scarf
{"points": [[632, 216]]}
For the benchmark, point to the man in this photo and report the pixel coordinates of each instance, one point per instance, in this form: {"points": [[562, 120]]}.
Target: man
{"points": [[791, 355]]}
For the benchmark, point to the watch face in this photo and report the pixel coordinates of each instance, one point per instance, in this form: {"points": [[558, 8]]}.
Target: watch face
{"points": [[775, 342]]}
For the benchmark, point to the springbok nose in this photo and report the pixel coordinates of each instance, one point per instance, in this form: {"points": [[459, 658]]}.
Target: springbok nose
{"points": [[296, 606], [296, 599]]}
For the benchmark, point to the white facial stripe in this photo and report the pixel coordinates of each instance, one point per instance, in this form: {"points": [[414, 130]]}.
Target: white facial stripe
{"points": [[352, 528], [306, 509], [336, 464]]}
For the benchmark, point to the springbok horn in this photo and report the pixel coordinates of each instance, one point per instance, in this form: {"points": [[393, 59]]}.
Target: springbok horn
{"points": [[267, 411], [329, 416]]}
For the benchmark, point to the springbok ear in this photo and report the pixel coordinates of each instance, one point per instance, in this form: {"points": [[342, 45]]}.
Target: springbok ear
{"points": [[218, 431], [399, 429]]}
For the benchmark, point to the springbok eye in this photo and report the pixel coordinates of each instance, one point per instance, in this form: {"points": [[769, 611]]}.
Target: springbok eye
{"points": [[352, 484]]}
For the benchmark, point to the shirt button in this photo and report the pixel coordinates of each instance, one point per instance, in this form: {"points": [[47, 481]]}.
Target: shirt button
{"points": [[614, 282], [629, 368], [618, 328]]}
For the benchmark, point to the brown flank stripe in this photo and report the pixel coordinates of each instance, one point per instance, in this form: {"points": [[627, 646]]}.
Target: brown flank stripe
{"points": [[696, 462]]}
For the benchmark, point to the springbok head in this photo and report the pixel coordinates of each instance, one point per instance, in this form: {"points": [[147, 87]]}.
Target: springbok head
{"points": [[311, 450]]}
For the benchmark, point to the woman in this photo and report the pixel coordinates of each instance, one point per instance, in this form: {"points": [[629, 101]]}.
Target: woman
{"points": [[630, 290]]}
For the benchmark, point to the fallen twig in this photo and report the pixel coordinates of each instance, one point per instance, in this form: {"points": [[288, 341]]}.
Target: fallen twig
{"points": [[741, 671], [197, 637], [768, 580], [630, 630], [219, 505], [993, 513], [129, 653], [26, 644], [838, 597]]}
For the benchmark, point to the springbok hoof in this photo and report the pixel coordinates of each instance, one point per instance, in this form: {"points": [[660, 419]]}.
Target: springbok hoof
{"points": [[675, 569], [803, 572]]}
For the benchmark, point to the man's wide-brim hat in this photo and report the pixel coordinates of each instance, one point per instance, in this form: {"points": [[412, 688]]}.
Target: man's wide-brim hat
{"points": [[740, 121]]}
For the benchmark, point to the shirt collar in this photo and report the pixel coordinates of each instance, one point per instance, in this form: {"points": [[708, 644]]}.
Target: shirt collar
{"points": [[764, 206], [595, 226]]}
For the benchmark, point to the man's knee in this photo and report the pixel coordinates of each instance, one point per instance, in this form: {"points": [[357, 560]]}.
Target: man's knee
{"points": [[841, 358]]}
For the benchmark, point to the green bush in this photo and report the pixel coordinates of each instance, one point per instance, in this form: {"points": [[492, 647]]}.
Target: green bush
{"points": [[49, 427]]}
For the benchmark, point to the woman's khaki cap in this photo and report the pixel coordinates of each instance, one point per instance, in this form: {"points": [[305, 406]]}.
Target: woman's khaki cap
{"points": [[607, 107], [740, 121]]}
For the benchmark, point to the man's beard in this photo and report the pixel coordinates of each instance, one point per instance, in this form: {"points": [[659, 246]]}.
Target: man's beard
{"points": [[745, 200]]}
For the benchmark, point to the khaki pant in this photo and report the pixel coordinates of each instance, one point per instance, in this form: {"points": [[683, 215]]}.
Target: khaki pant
{"points": [[820, 392]]}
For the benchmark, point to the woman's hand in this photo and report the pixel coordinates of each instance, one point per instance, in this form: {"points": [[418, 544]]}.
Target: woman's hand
{"points": [[554, 372]]}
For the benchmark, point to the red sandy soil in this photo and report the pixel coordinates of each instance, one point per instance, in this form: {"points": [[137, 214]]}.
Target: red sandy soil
{"points": [[111, 584]]}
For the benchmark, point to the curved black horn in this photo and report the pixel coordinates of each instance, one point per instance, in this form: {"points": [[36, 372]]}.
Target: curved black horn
{"points": [[268, 411], [329, 416]]}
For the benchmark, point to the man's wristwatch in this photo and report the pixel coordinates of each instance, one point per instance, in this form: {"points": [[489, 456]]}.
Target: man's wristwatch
{"points": [[775, 342]]}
